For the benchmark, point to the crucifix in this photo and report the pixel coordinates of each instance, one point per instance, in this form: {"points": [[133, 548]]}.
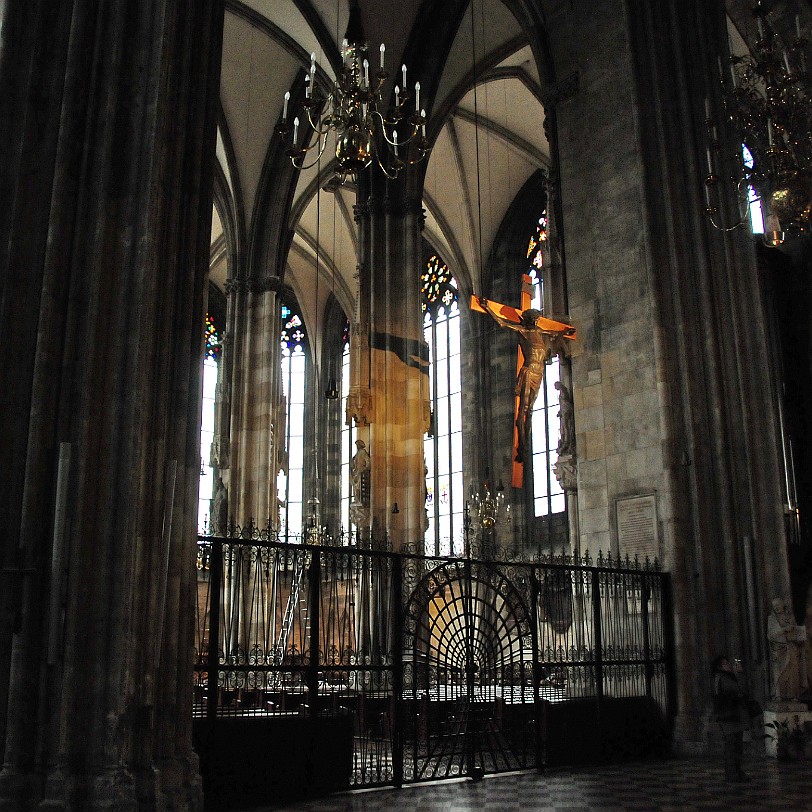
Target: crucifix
{"points": [[540, 339]]}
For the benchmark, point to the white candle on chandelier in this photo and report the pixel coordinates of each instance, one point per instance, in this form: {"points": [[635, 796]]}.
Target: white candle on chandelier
{"points": [[307, 85], [295, 128], [798, 26], [366, 72], [786, 64], [417, 96], [397, 96], [710, 160], [313, 62], [707, 108], [285, 106], [383, 51], [423, 126], [395, 141], [403, 68]]}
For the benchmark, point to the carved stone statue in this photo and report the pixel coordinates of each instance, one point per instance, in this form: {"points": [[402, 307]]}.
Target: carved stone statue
{"points": [[566, 414], [219, 509], [360, 466], [787, 653], [538, 347]]}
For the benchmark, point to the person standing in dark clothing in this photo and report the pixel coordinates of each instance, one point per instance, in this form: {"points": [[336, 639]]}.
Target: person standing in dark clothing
{"points": [[731, 712]]}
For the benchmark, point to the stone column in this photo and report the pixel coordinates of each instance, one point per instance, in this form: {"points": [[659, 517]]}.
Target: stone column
{"points": [[671, 373], [110, 132], [389, 396], [253, 378]]}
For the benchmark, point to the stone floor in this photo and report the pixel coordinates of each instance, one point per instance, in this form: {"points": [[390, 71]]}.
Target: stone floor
{"points": [[675, 785]]}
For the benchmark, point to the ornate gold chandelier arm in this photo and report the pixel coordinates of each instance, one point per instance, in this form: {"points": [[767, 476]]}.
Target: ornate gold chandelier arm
{"points": [[352, 110], [742, 186], [294, 153], [767, 101]]}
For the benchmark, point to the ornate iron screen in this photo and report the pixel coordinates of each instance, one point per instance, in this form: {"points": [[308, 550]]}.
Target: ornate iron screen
{"points": [[409, 668]]}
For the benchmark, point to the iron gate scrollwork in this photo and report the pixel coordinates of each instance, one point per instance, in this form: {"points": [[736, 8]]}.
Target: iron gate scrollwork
{"points": [[467, 706], [398, 667]]}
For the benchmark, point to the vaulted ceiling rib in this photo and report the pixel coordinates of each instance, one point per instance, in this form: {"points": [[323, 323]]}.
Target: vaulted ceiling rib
{"points": [[267, 45]]}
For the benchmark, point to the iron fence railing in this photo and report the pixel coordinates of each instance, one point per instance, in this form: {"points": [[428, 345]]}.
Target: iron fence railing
{"points": [[438, 666]]}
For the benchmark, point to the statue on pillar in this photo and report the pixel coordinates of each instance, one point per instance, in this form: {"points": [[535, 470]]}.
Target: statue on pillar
{"points": [[566, 414], [219, 509], [787, 643], [360, 466]]}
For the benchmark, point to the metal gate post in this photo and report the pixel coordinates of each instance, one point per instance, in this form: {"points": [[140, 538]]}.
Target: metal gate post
{"points": [[596, 621], [647, 664], [397, 670], [313, 608], [667, 613], [538, 707], [213, 653]]}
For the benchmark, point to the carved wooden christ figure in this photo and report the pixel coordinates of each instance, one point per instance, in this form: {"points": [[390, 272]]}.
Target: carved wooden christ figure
{"points": [[540, 339]]}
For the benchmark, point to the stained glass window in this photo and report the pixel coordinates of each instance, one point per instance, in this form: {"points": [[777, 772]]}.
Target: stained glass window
{"points": [[293, 339], [535, 255], [213, 343], [443, 446], [211, 356], [548, 496]]}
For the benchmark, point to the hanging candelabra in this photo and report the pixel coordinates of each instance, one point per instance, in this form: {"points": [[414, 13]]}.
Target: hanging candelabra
{"points": [[315, 532], [366, 129], [768, 102], [489, 506]]}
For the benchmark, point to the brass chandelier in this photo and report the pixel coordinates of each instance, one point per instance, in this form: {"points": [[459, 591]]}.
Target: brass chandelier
{"points": [[768, 102], [366, 129], [489, 506]]}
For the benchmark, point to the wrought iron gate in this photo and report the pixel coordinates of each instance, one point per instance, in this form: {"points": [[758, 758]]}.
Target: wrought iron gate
{"points": [[468, 674], [394, 668]]}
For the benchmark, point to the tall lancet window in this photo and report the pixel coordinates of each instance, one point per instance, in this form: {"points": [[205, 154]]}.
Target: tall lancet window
{"points": [[294, 369], [548, 496], [348, 436], [211, 357], [443, 446]]}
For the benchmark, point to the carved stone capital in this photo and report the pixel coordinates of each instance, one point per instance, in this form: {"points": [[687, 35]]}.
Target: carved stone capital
{"points": [[552, 96], [265, 284], [359, 406], [414, 205], [235, 286], [361, 211], [566, 472]]}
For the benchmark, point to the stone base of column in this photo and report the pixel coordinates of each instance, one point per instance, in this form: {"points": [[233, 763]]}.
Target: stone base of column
{"points": [[179, 783], [16, 790], [111, 791], [691, 734]]}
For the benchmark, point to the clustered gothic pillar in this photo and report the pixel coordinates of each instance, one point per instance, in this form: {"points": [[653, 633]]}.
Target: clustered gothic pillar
{"points": [[251, 370], [109, 128], [671, 384], [389, 397]]}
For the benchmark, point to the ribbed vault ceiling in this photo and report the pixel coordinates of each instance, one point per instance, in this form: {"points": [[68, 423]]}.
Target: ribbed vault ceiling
{"points": [[489, 138]]}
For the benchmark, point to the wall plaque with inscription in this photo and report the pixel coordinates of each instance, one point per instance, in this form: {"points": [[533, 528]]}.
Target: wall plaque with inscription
{"points": [[637, 526]]}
